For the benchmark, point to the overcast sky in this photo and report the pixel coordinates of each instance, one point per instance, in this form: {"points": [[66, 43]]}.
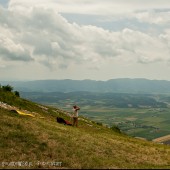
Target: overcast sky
{"points": [[84, 39]]}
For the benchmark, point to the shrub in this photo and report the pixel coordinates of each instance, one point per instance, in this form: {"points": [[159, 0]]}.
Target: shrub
{"points": [[99, 123], [115, 128], [17, 93], [7, 88]]}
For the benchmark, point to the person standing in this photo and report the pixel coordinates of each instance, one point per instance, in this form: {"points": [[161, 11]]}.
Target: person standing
{"points": [[75, 115]]}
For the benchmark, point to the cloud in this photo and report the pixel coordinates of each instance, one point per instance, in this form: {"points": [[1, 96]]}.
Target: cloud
{"points": [[32, 32], [10, 48], [97, 7], [154, 17], [48, 38]]}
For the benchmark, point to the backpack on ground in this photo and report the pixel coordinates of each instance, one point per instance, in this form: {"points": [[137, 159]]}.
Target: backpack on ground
{"points": [[65, 122]]}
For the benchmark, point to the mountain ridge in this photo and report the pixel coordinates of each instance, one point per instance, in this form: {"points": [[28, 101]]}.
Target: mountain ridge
{"points": [[121, 85]]}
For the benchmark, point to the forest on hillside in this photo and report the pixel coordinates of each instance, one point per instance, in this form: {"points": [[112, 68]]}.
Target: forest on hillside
{"points": [[120, 100]]}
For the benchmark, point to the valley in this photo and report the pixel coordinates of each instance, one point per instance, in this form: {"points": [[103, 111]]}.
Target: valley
{"points": [[138, 115]]}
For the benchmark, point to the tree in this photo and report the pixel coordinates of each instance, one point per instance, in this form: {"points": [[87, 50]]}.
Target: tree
{"points": [[7, 88]]}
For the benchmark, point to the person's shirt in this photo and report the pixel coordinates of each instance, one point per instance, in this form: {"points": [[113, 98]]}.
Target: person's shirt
{"points": [[75, 112]]}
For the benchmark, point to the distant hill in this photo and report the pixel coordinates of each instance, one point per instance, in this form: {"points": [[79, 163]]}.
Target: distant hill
{"points": [[114, 85]]}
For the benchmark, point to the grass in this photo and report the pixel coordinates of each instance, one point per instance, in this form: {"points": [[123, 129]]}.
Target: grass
{"points": [[28, 142], [37, 140]]}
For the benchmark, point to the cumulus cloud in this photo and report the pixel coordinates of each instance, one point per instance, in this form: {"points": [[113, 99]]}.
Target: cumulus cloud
{"points": [[154, 16], [11, 48], [144, 48], [37, 33]]}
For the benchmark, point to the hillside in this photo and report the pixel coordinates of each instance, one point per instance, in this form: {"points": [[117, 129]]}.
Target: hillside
{"points": [[123, 85], [41, 142]]}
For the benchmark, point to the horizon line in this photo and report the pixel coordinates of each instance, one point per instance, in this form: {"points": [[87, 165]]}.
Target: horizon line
{"points": [[22, 80]]}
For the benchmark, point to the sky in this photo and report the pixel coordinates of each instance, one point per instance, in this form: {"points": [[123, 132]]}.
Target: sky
{"points": [[84, 39]]}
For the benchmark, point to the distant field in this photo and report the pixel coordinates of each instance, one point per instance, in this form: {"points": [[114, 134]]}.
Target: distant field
{"points": [[146, 123]]}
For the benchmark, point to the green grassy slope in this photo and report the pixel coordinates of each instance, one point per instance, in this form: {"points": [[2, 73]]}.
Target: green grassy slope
{"points": [[43, 143]]}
